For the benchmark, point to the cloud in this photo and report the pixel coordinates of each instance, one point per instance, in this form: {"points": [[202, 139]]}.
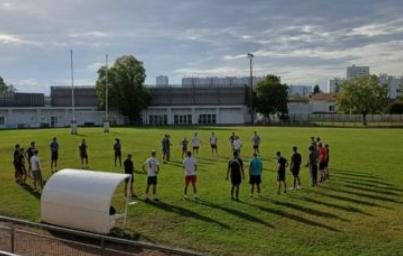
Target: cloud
{"points": [[90, 34], [379, 29], [304, 44]]}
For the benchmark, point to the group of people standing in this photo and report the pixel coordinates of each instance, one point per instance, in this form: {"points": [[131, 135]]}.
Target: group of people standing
{"points": [[318, 161], [34, 170]]}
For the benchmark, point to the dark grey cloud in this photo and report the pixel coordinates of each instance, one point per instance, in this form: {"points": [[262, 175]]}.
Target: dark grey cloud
{"points": [[303, 41]]}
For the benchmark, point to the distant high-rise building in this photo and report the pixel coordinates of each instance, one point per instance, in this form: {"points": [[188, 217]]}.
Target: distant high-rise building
{"points": [[228, 81], [394, 84], [357, 71], [333, 85], [162, 81]]}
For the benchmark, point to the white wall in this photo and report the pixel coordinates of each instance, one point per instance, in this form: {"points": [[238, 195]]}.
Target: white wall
{"points": [[299, 108], [224, 114], [322, 106], [36, 117]]}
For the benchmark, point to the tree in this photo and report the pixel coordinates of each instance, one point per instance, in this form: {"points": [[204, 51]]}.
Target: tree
{"points": [[6, 88], [316, 90], [363, 95], [271, 96], [126, 90]]}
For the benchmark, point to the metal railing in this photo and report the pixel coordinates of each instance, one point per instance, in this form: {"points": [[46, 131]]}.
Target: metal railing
{"points": [[30, 238]]}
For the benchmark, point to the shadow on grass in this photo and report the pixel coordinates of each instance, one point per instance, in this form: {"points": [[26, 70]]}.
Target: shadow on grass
{"points": [[371, 185], [305, 209], [351, 200], [369, 196], [354, 173], [293, 217], [30, 190], [335, 206], [235, 212], [371, 189], [185, 212], [372, 182]]}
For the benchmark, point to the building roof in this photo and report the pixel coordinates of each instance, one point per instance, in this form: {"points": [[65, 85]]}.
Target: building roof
{"points": [[324, 97]]}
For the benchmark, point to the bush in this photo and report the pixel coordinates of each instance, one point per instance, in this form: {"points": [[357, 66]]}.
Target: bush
{"points": [[396, 107]]}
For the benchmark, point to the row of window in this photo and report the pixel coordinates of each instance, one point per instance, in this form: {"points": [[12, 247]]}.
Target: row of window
{"points": [[158, 120], [182, 119]]}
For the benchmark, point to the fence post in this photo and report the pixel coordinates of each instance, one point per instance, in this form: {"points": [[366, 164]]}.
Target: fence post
{"points": [[103, 246], [12, 238]]}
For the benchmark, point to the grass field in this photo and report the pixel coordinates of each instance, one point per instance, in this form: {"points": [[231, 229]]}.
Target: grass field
{"points": [[360, 212]]}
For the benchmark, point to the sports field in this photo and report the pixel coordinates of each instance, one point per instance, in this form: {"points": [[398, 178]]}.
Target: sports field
{"points": [[359, 212]]}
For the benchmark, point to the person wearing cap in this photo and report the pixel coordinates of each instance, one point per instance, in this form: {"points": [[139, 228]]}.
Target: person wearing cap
{"points": [[151, 167]]}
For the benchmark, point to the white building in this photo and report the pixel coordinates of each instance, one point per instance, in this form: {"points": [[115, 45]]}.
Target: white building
{"points": [[162, 81], [50, 116], [197, 105], [323, 103], [229, 81], [357, 71], [303, 91], [333, 85], [395, 85]]}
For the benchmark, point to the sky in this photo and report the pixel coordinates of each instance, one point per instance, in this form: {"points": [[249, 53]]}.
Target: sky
{"points": [[304, 42]]}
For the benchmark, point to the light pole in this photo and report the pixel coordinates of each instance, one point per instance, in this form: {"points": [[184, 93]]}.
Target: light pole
{"points": [[106, 122], [73, 124], [251, 109]]}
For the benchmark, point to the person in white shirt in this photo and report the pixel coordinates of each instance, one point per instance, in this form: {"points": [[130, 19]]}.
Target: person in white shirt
{"points": [[153, 166], [256, 142], [36, 169], [190, 166], [213, 143], [236, 145], [196, 143]]}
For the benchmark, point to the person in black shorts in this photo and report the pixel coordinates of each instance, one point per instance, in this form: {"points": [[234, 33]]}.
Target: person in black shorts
{"points": [[313, 165], [295, 167], [54, 154], [184, 143], [117, 148], [23, 169], [281, 167], [129, 169], [83, 153], [327, 161], [235, 169], [17, 163], [30, 153]]}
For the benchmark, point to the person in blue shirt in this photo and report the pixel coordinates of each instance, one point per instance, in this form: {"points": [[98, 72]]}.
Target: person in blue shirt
{"points": [[255, 174]]}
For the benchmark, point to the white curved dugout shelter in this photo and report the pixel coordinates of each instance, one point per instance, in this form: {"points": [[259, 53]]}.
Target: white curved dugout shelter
{"points": [[81, 199]]}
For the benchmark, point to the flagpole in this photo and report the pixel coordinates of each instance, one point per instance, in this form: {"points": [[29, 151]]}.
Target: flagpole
{"points": [[73, 121], [106, 91], [106, 122]]}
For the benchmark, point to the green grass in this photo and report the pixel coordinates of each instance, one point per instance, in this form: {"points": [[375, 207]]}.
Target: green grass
{"points": [[360, 212]]}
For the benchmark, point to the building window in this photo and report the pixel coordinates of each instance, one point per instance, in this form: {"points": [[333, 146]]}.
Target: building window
{"points": [[2, 120], [182, 119], [158, 119], [332, 108], [207, 119]]}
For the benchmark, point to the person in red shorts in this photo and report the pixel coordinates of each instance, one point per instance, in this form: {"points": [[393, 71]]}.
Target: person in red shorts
{"points": [[190, 166], [322, 161]]}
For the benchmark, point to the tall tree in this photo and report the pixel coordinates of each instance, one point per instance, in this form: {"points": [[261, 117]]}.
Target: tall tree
{"points": [[126, 89], [316, 89], [271, 96], [363, 95]]}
